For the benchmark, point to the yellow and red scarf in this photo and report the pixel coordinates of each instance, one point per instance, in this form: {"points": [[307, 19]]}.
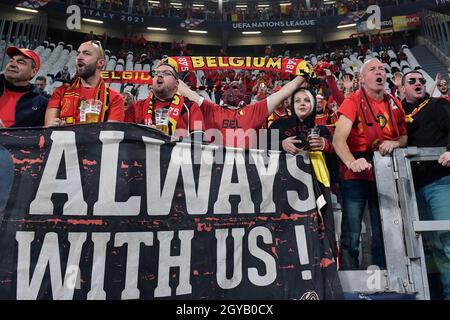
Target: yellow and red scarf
{"points": [[175, 109], [410, 117], [71, 100]]}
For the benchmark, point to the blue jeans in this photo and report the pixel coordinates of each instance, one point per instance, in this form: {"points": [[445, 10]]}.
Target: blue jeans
{"points": [[433, 201], [355, 195]]}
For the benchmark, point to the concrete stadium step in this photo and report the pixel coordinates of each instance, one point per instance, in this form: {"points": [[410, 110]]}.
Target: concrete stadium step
{"points": [[429, 62]]}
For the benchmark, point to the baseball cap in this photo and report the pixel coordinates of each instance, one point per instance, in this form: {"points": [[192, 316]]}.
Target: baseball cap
{"points": [[12, 51]]}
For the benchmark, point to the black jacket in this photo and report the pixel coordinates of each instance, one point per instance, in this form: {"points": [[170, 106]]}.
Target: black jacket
{"points": [[30, 108], [430, 128]]}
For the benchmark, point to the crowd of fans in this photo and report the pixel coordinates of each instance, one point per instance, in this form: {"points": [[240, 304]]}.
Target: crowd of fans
{"points": [[209, 11], [347, 116]]}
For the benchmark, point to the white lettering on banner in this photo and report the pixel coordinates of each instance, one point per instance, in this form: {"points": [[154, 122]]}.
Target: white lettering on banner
{"points": [[28, 289], [196, 202], [267, 258], [133, 241], [160, 204], [63, 146], [267, 177], [106, 204], [100, 240], [236, 278], [160, 191], [302, 248], [166, 261], [234, 158], [292, 196], [49, 258], [290, 66]]}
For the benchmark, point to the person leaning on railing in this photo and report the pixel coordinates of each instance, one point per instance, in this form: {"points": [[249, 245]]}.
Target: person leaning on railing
{"points": [[369, 120], [428, 121]]}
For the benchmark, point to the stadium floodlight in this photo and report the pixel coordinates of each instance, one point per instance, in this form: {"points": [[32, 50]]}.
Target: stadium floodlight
{"points": [[285, 4], [26, 10], [153, 2], [263, 5], [346, 25], [197, 31], [176, 4], [199, 5], [156, 29], [92, 20], [292, 31], [251, 32], [241, 6]]}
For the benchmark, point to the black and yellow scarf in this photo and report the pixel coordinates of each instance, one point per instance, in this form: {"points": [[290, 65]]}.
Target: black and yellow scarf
{"points": [[71, 100]]}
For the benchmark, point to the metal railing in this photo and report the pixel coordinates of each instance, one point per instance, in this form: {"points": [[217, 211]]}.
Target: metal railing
{"points": [[406, 269]]}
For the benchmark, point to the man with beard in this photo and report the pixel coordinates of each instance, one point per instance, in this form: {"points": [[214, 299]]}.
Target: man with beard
{"points": [[21, 104], [235, 124], [369, 120], [185, 117], [66, 102], [428, 121]]}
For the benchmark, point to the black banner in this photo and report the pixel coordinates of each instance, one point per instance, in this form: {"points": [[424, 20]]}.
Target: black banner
{"points": [[116, 211]]}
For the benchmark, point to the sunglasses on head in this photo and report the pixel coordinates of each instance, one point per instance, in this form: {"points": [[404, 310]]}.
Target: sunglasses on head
{"points": [[99, 45], [413, 80]]}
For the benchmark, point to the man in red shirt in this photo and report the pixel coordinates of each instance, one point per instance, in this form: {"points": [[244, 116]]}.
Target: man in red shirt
{"points": [[66, 101], [21, 104], [185, 117], [369, 120], [282, 112], [235, 124]]}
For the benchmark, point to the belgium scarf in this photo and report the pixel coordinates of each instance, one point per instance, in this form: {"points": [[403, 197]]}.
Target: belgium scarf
{"points": [[71, 100], [373, 125], [175, 109]]}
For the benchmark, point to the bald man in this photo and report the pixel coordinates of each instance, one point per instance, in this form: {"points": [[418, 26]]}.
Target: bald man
{"points": [[369, 120], [87, 86]]}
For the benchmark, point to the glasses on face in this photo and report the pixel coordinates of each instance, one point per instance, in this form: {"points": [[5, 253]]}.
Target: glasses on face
{"points": [[413, 80], [163, 73]]}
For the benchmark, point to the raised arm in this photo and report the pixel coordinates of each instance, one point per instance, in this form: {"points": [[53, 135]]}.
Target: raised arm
{"points": [[185, 91], [274, 100]]}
